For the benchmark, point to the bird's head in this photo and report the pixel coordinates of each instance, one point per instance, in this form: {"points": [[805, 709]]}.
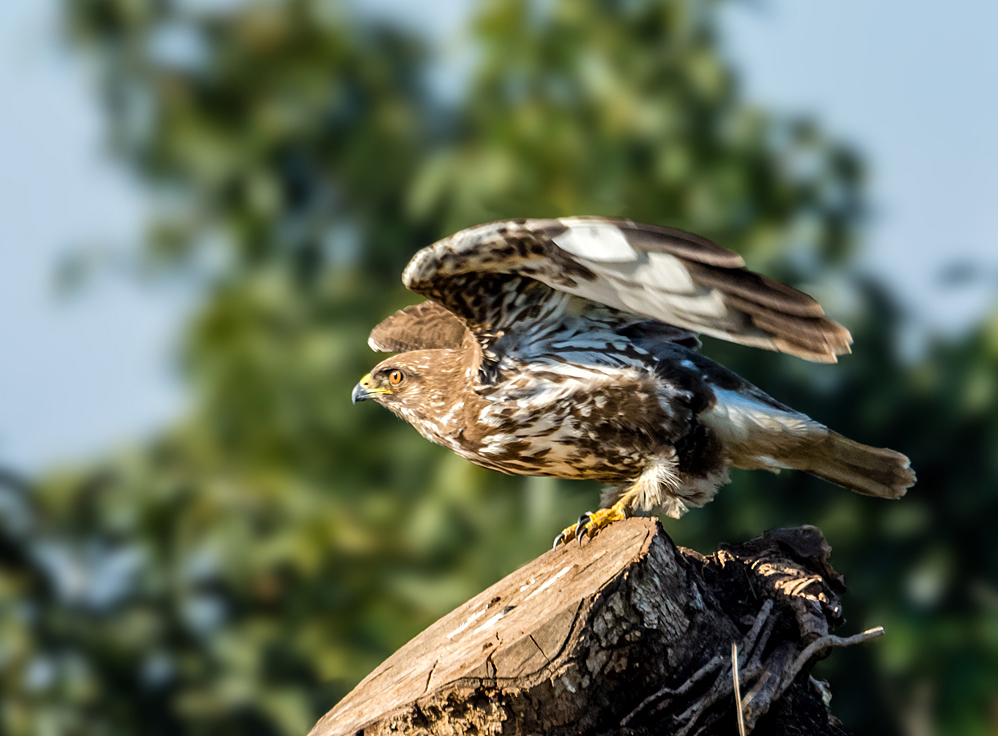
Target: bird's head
{"points": [[415, 386], [423, 387]]}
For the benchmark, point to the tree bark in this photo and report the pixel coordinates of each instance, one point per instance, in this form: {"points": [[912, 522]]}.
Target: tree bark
{"points": [[627, 635]]}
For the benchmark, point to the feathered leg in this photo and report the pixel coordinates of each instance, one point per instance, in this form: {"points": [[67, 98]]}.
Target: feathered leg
{"points": [[657, 482]]}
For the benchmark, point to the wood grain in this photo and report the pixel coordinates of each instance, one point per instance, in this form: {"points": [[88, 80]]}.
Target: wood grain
{"points": [[628, 634]]}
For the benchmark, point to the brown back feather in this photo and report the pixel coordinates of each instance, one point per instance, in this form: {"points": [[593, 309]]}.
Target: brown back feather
{"points": [[423, 326]]}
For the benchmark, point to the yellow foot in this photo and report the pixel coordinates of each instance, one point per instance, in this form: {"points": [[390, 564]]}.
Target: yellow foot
{"points": [[591, 522]]}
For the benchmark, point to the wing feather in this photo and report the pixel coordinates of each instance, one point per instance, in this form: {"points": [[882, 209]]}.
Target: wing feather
{"points": [[653, 272], [420, 327]]}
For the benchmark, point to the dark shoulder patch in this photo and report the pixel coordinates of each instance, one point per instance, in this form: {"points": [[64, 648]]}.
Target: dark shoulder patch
{"points": [[674, 364], [717, 375], [660, 331]]}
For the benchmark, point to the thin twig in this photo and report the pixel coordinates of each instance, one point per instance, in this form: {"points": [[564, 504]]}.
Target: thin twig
{"points": [[749, 642], [750, 638], [825, 642], [738, 689], [712, 665], [760, 696], [755, 663]]}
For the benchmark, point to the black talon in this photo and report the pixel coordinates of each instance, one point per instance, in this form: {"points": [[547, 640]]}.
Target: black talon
{"points": [[583, 523], [558, 540]]}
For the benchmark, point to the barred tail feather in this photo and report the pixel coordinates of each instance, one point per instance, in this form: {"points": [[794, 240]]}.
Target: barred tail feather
{"points": [[872, 471]]}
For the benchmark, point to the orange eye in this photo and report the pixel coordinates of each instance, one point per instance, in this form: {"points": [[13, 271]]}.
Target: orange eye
{"points": [[395, 377]]}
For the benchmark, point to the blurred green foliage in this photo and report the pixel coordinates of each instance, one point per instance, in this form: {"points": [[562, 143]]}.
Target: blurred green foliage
{"points": [[245, 568]]}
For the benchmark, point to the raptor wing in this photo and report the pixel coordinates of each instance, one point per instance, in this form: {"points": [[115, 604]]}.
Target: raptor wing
{"points": [[499, 276], [419, 327]]}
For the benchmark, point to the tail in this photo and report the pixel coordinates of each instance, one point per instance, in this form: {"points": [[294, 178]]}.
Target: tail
{"points": [[872, 471], [760, 433]]}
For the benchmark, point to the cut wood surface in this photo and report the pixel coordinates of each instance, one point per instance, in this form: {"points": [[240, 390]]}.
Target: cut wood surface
{"points": [[629, 634]]}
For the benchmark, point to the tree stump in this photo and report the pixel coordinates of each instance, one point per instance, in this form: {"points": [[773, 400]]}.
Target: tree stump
{"points": [[628, 635]]}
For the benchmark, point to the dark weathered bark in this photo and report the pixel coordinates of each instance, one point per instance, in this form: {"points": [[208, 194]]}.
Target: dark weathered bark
{"points": [[627, 635]]}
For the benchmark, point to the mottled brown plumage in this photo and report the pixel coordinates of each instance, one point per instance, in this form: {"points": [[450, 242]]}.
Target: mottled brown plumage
{"points": [[568, 348]]}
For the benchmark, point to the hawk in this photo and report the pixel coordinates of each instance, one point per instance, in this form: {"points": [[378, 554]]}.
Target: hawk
{"points": [[568, 348]]}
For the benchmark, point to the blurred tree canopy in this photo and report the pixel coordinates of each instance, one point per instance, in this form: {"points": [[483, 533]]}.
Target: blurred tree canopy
{"points": [[242, 570]]}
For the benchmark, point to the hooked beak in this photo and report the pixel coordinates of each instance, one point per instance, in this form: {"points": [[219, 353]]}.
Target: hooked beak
{"points": [[364, 391], [360, 393]]}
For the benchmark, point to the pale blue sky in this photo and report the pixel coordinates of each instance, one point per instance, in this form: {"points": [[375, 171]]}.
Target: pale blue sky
{"points": [[910, 83], [75, 375]]}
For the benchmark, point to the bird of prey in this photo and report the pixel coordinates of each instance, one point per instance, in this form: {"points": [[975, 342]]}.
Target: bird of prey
{"points": [[568, 348]]}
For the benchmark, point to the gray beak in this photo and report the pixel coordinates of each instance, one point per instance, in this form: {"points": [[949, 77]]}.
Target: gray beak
{"points": [[360, 393]]}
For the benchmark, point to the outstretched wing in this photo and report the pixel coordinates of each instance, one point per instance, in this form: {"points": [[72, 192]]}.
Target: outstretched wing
{"points": [[481, 274], [419, 327]]}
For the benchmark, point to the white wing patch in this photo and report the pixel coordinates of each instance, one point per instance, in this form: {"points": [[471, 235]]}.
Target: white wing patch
{"points": [[665, 271], [651, 284], [595, 241]]}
